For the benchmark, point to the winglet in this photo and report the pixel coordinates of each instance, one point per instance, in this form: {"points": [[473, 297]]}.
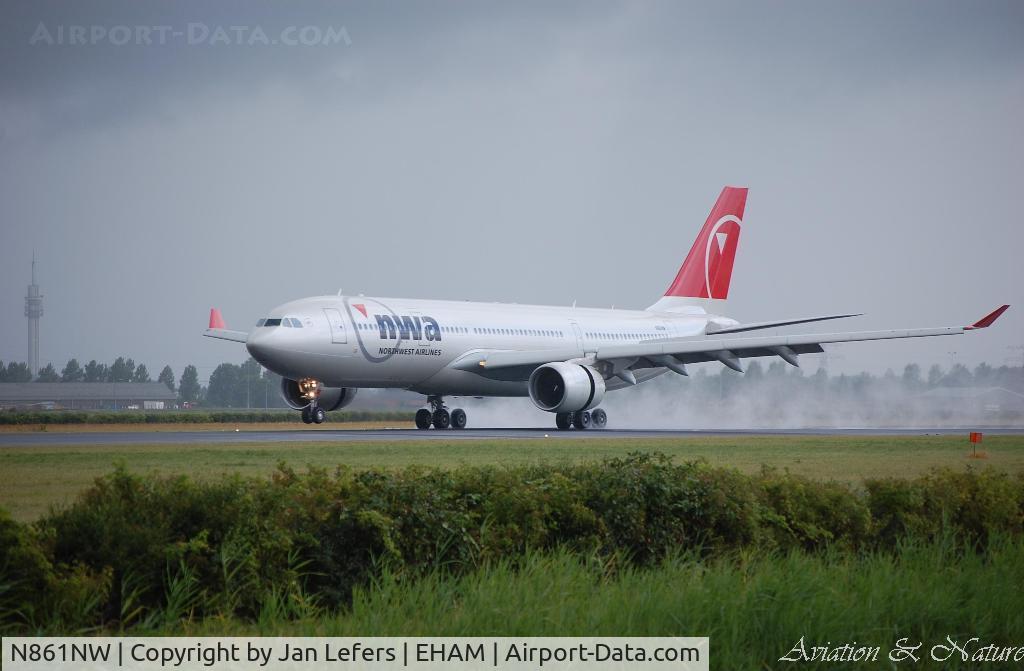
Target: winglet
{"points": [[988, 319], [216, 320]]}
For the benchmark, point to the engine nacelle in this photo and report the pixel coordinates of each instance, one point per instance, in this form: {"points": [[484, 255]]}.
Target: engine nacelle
{"points": [[296, 394], [566, 387]]}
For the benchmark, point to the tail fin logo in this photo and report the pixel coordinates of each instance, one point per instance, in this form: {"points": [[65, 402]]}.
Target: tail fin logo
{"points": [[713, 262]]}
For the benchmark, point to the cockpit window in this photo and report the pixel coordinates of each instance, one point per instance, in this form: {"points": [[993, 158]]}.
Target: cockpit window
{"points": [[287, 322]]}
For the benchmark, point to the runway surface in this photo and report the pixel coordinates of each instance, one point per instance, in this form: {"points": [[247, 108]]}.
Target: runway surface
{"points": [[394, 435]]}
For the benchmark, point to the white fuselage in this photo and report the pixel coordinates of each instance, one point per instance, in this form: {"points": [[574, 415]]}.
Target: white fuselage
{"points": [[347, 341]]}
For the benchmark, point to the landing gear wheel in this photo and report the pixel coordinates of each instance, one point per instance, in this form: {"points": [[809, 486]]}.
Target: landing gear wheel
{"points": [[600, 418], [563, 420], [581, 420], [458, 418], [442, 419], [423, 418], [307, 415], [318, 415]]}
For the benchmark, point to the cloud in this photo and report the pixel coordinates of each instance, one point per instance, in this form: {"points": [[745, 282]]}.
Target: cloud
{"points": [[516, 152]]}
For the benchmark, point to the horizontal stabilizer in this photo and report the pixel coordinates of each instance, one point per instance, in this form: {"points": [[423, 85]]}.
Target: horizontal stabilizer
{"points": [[225, 334]]}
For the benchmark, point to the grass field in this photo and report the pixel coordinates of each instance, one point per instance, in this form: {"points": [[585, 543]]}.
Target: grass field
{"points": [[753, 608], [34, 478]]}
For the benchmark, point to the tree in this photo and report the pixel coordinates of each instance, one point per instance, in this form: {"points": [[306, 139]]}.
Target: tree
{"points": [[819, 381], [17, 372], [3, 372], [934, 375], [167, 377], [72, 372], [251, 383], [912, 377], [95, 372], [188, 388], [48, 374], [958, 376], [983, 375], [141, 374], [225, 383], [121, 370]]}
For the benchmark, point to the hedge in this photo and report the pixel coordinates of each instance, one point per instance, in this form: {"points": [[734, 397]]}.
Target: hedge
{"points": [[131, 547]]}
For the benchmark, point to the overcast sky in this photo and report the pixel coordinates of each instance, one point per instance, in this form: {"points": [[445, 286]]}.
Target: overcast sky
{"points": [[521, 152]]}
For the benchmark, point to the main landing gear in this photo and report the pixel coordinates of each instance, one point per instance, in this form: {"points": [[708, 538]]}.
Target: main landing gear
{"points": [[439, 417], [582, 419]]}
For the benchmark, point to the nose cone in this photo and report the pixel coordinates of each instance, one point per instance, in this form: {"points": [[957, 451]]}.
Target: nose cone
{"points": [[260, 345], [280, 350]]}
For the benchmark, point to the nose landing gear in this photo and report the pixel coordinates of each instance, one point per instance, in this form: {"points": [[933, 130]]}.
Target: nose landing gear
{"points": [[581, 420], [439, 417], [312, 413]]}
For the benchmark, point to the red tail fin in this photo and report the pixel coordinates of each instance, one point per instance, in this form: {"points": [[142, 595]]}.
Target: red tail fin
{"points": [[708, 267]]}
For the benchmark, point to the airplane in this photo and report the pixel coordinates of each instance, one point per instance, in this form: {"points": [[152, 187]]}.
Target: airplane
{"points": [[564, 358]]}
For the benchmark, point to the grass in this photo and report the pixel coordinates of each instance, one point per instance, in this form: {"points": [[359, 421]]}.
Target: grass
{"points": [[33, 478], [754, 608]]}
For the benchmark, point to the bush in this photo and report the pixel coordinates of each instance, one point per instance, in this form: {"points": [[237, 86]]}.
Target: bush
{"points": [[25, 573], [151, 550], [811, 515], [973, 504]]}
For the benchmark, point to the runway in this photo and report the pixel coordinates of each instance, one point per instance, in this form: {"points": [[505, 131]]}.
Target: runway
{"points": [[398, 435]]}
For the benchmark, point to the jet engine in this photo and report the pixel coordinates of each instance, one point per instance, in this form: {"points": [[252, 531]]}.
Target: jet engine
{"points": [[565, 387], [298, 394]]}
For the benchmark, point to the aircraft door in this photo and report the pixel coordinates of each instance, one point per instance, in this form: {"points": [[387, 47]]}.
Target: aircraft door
{"points": [[338, 333], [578, 333]]}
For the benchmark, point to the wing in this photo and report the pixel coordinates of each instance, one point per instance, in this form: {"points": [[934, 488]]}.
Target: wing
{"points": [[675, 353]]}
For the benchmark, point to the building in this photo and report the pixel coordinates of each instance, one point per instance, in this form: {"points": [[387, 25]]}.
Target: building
{"points": [[87, 395]]}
